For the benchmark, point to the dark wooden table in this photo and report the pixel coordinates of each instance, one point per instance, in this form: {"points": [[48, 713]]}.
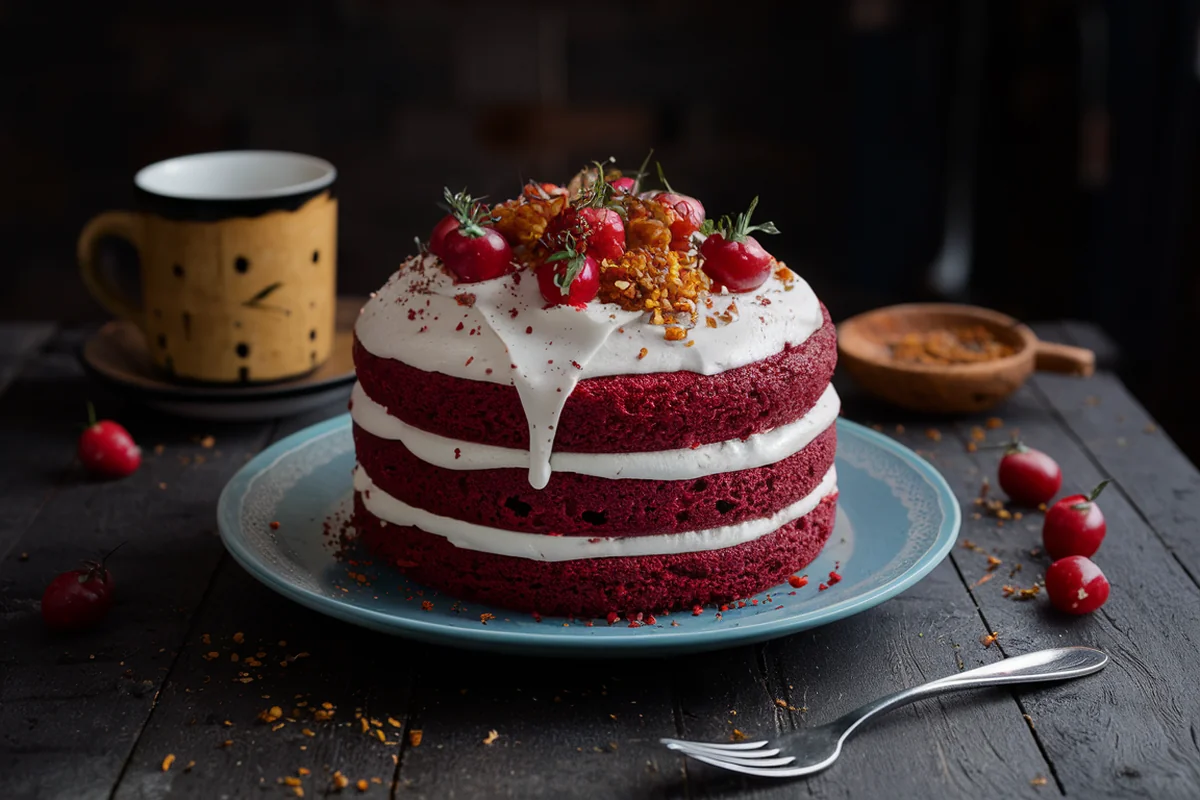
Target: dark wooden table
{"points": [[95, 715]]}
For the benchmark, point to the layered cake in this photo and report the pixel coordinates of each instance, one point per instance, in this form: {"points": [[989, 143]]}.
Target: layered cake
{"points": [[592, 399]]}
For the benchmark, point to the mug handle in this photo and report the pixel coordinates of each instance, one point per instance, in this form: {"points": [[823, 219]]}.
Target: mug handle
{"points": [[121, 224]]}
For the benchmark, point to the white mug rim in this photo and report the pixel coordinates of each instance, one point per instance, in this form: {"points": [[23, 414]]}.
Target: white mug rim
{"points": [[154, 178]]}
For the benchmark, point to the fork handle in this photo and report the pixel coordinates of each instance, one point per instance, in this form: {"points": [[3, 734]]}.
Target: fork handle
{"points": [[1055, 664]]}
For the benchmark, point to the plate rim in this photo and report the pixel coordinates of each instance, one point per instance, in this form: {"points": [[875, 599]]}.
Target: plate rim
{"points": [[236, 490]]}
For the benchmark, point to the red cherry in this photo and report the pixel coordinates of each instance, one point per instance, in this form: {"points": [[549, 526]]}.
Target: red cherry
{"points": [[583, 286], [79, 598], [1076, 585], [623, 185], [732, 257], [604, 233], [438, 236], [1074, 526], [106, 448], [1029, 477], [688, 217], [477, 258], [738, 266]]}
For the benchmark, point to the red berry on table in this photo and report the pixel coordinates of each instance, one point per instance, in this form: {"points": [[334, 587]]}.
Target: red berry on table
{"points": [[602, 233], [106, 448], [733, 258], [1029, 477], [79, 598], [1076, 585], [569, 278], [1074, 526], [471, 251]]}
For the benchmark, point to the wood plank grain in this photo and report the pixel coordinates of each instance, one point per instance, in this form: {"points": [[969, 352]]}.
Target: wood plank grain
{"points": [[566, 728], [19, 341], [207, 700], [1130, 729], [71, 707], [1126, 444], [970, 745]]}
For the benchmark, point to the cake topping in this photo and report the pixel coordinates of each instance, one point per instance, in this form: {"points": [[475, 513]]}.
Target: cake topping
{"points": [[732, 257], [471, 251], [569, 277]]}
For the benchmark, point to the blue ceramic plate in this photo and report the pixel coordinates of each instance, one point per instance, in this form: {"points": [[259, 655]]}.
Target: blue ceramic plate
{"points": [[897, 519]]}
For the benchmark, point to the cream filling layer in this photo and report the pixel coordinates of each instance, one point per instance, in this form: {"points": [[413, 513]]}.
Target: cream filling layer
{"points": [[758, 450], [535, 547]]}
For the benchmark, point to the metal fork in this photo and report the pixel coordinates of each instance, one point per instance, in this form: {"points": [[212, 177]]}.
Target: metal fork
{"points": [[811, 750]]}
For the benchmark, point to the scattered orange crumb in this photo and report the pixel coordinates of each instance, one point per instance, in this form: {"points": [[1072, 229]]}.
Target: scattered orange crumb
{"points": [[340, 781], [274, 525], [188, 766], [674, 333], [379, 734], [972, 447], [491, 737], [989, 639], [205, 638], [362, 785], [168, 761], [934, 434], [426, 605], [304, 771], [977, 434], [271, 714], [992, 423], [290, 780], [993, 562], [987, 576], [395, 723], [414, 737], [365, 726], [207, 442], [307, 732], [486, 617], [227, 743], [737, 736], [1038, 781], [209, 656]]}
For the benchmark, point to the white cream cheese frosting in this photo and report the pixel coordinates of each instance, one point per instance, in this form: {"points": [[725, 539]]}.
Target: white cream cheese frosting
{"points": [[500, 331], [758, 450], [484, 539]]}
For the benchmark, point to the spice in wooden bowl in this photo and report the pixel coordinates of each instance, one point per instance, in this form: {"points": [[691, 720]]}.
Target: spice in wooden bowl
{"points": [[956, 345]]}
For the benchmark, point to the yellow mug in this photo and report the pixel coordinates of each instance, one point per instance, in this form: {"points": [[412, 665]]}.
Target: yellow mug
{"points": [[237, 255]]}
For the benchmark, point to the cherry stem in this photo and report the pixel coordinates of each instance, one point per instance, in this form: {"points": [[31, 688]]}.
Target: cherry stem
{"points": [[1099, 487], [104, 558], [91, 414], [641, 173], [1014, 445]]}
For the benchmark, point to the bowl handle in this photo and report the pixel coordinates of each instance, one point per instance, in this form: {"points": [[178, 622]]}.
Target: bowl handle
{"points": [[1064, 358]]}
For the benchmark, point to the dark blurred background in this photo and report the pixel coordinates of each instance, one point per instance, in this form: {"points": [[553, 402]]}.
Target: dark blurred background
{"points": [[1036, 157]]}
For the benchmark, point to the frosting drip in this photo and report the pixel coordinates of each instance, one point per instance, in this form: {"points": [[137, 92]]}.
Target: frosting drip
{"points": [[481, 538]]}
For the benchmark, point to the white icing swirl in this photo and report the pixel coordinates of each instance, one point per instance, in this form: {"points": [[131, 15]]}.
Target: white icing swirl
{"points": [[501, 331], [758, 450], [535, 547]]}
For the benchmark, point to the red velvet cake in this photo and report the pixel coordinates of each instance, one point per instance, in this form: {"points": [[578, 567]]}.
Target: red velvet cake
{"points": [[591, 399]]}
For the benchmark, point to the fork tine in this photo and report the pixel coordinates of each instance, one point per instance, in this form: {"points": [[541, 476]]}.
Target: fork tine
{"points": [[718, 753], [726, 760], [761, 772], [675, 744]]}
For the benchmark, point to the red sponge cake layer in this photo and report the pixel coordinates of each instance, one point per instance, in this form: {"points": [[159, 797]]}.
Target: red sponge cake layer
{"points": [[621, 413], [573, 504], [594, 587]]}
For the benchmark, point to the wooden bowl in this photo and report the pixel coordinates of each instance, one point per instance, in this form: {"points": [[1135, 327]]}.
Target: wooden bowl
{"points": [[864, 349]]}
